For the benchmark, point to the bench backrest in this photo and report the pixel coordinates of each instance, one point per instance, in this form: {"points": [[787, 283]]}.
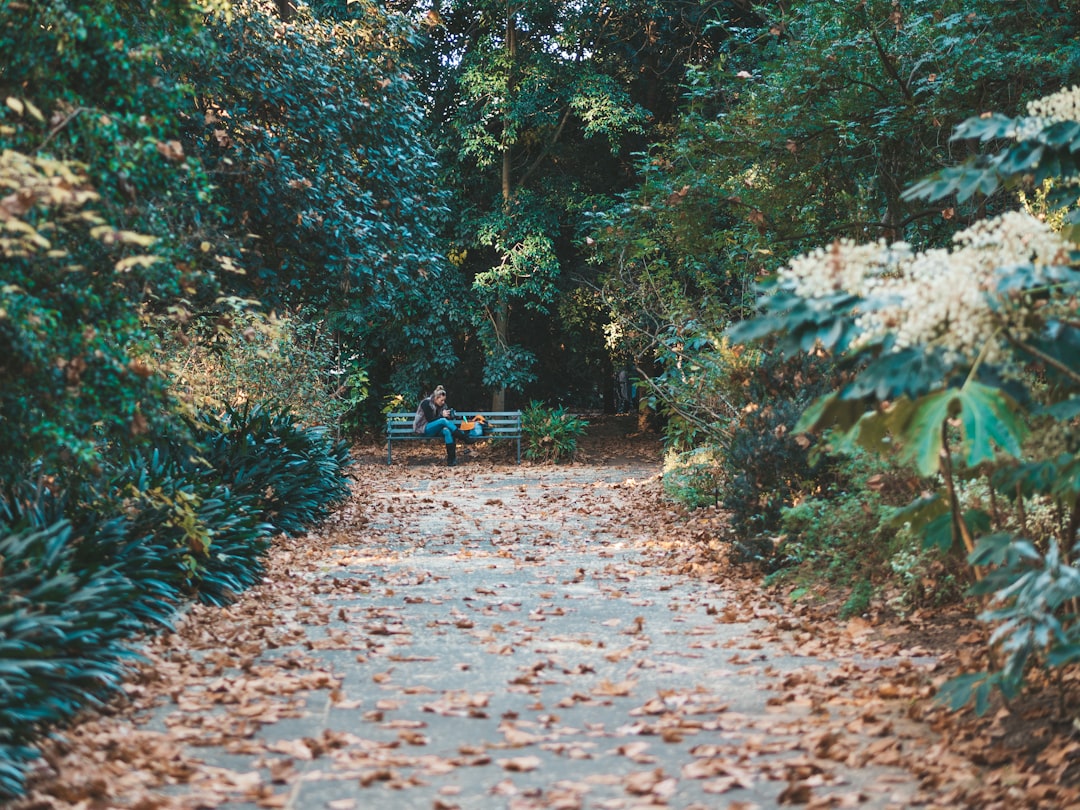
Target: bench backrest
{"points": [[502, 423]]}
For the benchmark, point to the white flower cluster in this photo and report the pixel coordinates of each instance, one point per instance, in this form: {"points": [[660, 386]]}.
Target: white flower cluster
{"points": [[843, 266], [1063, 105], [935, 298]]}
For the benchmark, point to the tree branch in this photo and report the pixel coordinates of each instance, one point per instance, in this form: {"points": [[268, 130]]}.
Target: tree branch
{"points": [[547, 148], [1053, 362]]}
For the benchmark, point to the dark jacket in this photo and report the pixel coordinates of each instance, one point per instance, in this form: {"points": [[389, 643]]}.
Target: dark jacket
{"points": [[431, 411]]}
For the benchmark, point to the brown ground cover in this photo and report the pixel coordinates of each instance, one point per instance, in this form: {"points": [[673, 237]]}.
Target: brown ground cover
{"points": [[1022, 754]]}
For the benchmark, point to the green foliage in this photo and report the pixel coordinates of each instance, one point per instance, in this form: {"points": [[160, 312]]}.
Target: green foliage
{"points": [[100, 220], [294, 474], [850, 535], [806, 130], [1027, 155], [768, 464], [80, 577], [701, 385], [194, 536], [1000, 365], [551, 434], [313, 132], [246, 356], [72, 389], [62, 632], [693, 477], [859, 600], [1032, 594], [538, 105]]}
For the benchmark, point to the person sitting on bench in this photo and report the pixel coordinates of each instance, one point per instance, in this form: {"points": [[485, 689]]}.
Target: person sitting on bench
{"points": [[433, 416]]}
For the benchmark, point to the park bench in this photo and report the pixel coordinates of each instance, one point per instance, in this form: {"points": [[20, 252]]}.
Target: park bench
{"points": [[502, 424]]}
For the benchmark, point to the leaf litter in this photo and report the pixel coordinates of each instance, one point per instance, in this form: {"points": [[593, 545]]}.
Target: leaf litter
{"points": [[642, 670]]}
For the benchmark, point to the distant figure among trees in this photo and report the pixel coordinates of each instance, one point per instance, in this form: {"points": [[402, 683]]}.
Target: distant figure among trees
{"points": [[624, 391]]}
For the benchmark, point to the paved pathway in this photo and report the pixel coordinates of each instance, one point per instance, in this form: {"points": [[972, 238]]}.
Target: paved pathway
{"points": [[494, 638]]}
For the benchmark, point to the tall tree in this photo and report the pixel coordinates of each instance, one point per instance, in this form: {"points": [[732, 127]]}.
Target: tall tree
{"points": [[103, 215], [807, 131], [312, 125], [541, 105]]}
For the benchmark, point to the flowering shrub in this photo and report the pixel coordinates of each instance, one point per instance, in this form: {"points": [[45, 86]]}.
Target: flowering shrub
{"points": [[957, 355], [937, 299]]}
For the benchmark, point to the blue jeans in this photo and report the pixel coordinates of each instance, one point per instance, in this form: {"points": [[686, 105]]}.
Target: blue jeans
{"points": [[445, 425]]}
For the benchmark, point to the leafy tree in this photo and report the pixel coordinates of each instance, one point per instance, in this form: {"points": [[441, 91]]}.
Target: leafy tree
{"points": [[312, 128], [100, 203], [806, 129], [539, 103]]}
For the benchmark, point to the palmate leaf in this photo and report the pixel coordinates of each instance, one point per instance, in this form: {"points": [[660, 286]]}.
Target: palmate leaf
{"points": [[974, 176], [987, 416], [985, 128], [909, 372], [957, 692], [800, 324]]}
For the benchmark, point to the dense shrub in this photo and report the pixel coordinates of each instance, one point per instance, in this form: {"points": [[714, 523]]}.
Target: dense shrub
{"points": [[551, 434], [965, 367], [80, 576], [768, 465], [62, 631], [294, 473], [849, 536]]}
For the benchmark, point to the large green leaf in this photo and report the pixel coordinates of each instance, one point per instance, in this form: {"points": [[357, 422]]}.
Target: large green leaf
{"points": [[987, 418], [917, 423]]}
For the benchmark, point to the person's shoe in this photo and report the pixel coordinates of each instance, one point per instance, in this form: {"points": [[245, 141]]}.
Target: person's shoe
{"points": [[451, 455]]}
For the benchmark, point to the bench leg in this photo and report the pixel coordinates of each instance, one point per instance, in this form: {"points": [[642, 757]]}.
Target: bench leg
{"points": [[388, 451]]}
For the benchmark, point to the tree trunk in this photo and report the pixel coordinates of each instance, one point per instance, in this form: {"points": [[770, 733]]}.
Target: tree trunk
{"points": [[285, 9], [502, 306], [502, 327]]}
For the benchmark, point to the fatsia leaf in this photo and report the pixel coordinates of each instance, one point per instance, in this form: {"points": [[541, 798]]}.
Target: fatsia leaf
{"points": [[920, 511], [988, 420], [985, 128], [918, 426], [830, 412]]}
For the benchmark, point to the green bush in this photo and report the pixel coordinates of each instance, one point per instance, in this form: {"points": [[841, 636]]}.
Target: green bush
{"points": [[295, 473], [768, 465], [964, 387], [110, 533], [79, 576], [190, 535], [694, 477], [551, 434], [62, 632]]}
